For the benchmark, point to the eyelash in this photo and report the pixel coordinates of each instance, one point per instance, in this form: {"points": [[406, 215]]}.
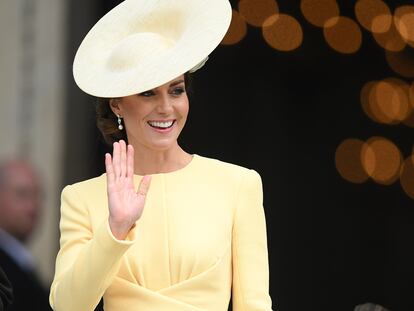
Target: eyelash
{"points": [[177, 91]]}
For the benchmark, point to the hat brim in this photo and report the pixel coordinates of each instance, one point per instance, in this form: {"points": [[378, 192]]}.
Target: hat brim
{"points": [[140, 45]]}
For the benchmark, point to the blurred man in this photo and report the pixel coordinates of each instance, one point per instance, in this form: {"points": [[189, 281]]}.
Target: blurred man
{"points": [[20, 204], [6, 292]]}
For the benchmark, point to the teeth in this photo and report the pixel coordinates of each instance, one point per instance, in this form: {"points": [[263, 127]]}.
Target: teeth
{"points": [[161, 124]]}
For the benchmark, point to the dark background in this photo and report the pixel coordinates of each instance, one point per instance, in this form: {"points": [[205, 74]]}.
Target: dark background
{"points": [[332, 244]]}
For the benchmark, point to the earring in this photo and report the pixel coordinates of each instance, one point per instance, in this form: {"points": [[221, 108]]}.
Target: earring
{"points": [[120, 126]]}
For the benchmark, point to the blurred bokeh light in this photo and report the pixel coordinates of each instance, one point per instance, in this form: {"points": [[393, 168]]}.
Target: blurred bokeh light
{"points": [[411, 94], [410, 120], [386, 101], [343, 34], [348, 160], [401, 62], [255, 12], [237, 30], [378, 159], [365, 102], [407, 176], [374, 15], [282, 32], [318, 12], [390, 40], [404, 22], [391, 98], [381, 160]]}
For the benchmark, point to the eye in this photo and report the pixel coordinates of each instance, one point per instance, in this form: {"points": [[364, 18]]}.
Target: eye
{"points": [[178, 90], [147, 93]]}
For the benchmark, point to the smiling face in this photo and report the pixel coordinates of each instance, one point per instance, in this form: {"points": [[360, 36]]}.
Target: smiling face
{"points": [[154, 119]]}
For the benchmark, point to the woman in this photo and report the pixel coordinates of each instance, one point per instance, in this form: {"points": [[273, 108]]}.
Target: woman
{"points": [[163, 229]]}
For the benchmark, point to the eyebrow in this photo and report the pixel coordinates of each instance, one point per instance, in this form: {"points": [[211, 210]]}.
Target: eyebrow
{"points": [[176, 82], [171, 85]]}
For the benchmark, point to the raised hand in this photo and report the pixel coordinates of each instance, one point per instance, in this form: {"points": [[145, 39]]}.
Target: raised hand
{"points": [[125, 203]]}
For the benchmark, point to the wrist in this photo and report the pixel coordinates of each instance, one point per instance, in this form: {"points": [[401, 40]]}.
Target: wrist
{"points": [[120, 230]]}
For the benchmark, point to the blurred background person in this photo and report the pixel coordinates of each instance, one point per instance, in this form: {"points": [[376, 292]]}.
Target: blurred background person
{"points": [[20, 207], [6, 292]]}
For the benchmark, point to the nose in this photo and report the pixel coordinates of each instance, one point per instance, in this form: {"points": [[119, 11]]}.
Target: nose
{"points": [[165, 104]]}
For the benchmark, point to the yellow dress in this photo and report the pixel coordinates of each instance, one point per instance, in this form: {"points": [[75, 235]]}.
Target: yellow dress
{"points": [[201, 238]]}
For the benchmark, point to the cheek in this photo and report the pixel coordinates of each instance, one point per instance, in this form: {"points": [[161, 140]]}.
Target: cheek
{"points": [[184, 108], [134, 116]]}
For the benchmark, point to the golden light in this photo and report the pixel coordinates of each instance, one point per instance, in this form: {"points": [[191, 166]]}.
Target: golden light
{"points": [[401, 62], [282, 32], [390, 40], [374, 106], [343, 34], [237, 30], [404, 22], [348, 161], [365, 100], [407, 176], [381, 160], [411, 94], [255, 12], [374, 15], [318, 12], [368, 159], [402, 90], [410, 120], [388, 101]]}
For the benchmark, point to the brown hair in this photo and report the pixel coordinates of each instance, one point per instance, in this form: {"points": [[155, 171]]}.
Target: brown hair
{"points": [[107, 121]]}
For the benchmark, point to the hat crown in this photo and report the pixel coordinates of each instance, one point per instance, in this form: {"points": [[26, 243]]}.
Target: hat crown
{"points": [[169, 22], [133, 48]]}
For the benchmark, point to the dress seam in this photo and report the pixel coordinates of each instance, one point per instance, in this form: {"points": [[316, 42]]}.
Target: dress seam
{"points": [[164, 203]]}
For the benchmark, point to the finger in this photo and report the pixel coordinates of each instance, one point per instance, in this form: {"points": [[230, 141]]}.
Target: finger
{"points": [[116, 160], [130, 161], [109, 168], [122, 146], [144, 185]]}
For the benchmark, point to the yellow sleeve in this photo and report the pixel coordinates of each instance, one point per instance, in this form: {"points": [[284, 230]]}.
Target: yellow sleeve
{"points": [[250, 289], [87, 261]]}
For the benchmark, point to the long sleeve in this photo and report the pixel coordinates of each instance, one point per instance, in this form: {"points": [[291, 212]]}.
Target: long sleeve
{"points": [[88, 259], [250, 291], [6, 293]]}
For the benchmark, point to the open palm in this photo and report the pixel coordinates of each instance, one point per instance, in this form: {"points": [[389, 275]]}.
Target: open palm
{"points": [[125, 203]]}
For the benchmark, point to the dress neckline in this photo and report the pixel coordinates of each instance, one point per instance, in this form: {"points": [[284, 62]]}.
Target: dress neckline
{"points": [[178, 171]]}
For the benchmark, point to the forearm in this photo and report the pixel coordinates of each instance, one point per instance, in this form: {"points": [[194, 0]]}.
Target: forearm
{"points": [[90, 271]]}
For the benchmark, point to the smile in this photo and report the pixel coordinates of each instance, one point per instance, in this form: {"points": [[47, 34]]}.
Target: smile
{"points": [[161, 124]]}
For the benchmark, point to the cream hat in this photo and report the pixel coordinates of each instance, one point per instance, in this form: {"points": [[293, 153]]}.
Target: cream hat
{"points": [[142, 44]]}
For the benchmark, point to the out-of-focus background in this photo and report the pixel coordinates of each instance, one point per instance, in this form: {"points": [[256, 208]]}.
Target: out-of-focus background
{"points": [[316, 95]]}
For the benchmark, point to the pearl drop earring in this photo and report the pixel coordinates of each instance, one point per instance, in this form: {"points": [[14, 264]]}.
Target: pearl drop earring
{"points": [[120, 126]]}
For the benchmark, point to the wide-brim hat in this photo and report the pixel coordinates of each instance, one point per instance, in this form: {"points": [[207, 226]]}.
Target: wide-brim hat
{"points": [[142, 44]]}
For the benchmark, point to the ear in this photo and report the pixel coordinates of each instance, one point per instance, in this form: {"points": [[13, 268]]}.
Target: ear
{"points": [[114, 105]]}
